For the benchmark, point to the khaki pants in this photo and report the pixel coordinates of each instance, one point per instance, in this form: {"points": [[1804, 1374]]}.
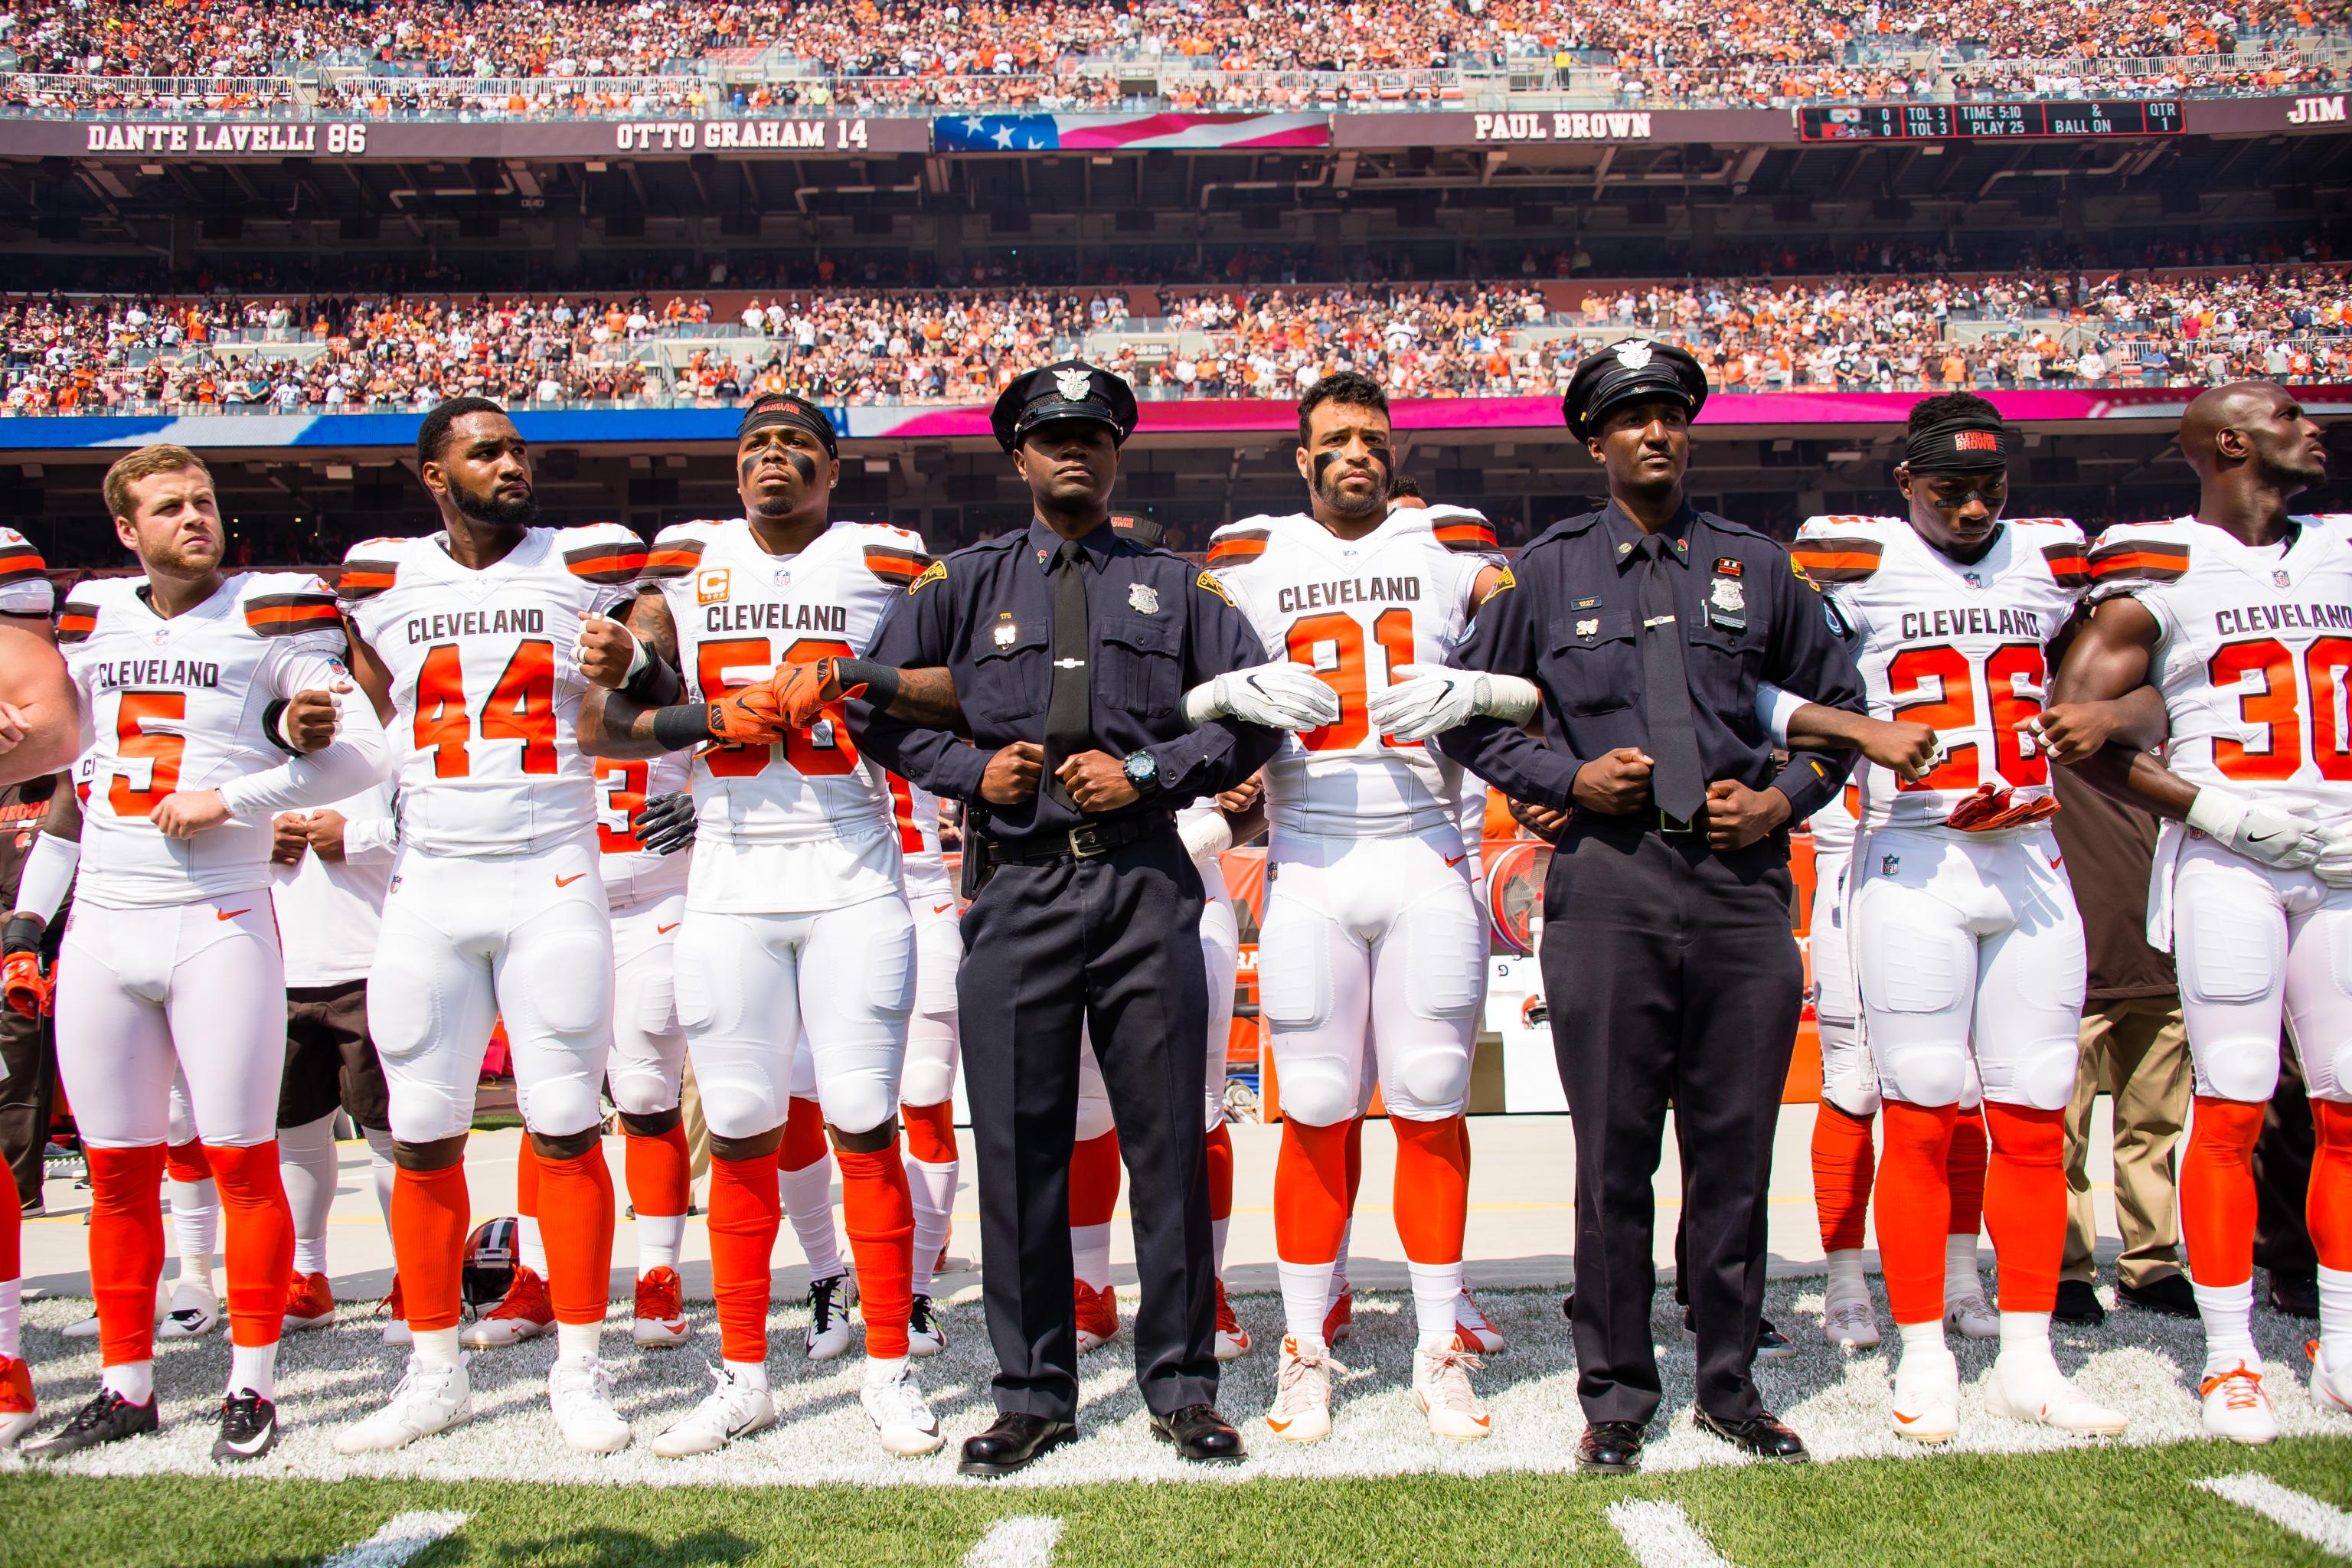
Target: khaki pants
{"points": [[697, 1130], [2136, 1052]]}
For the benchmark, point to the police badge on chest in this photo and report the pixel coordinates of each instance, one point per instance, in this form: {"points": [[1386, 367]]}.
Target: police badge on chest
{"points": [[1727, 600]]}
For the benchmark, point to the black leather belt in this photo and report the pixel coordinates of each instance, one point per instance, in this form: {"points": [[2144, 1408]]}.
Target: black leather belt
{"points": [[1087, 841]]}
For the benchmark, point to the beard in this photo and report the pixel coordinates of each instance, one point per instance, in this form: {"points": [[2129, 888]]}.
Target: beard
{"points": [[496, 511], [1327, 490]]}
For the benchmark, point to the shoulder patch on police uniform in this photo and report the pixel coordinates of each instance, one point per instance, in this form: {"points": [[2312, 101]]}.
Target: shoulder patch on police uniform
{"points": [[937, 572], [1501, 583], [1209, 580], [1830, 558], [2138, 559]]}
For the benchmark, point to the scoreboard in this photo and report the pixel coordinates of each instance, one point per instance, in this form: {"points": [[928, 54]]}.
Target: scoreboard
{"points": [[1989, 121]]}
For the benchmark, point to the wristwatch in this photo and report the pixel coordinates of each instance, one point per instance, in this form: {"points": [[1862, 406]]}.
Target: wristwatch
{"points": [[1142, 771]]}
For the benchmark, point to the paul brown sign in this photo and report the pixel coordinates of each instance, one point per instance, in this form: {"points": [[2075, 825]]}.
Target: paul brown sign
{"points": [[1537, 128]]}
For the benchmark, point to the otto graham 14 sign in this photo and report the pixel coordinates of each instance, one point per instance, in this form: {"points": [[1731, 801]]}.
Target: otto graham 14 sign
{"points": [[1986, 121]]}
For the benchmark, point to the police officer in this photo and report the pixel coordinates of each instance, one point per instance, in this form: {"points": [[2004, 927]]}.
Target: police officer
{"points": [[1076, 652], [1666, 949]]}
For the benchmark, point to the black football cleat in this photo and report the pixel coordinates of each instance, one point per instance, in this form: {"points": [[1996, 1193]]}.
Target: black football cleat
{"points": [[248, 1428], [107, 1419]]}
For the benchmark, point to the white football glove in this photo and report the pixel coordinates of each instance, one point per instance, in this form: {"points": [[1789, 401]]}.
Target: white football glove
{"points": [[1276, 696], [1432, 699], [2334, 866], [2270, 834]]}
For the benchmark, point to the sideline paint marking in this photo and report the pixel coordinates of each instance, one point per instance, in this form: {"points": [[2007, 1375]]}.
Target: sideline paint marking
{"points": [[1021, 1541], [403, 1536], [1661, 1535], [2329, 1528]]}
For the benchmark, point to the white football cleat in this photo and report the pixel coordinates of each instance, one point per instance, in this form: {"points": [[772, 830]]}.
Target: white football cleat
{"points": [[2237, 1407], [1851, 1324], [579, 1392], [1471, 1328], [2329, 1390], [524, 1312], [895, 1404], [1970, 1315], [1301, 1412], [1440, 1383], [194, 1313], [1926, 1406], [829, 1331], [733, 1409], [924, 1334], [431, 1397], [659, 1319], [1232, 1341], [82, 1327], [2033, 1389]]}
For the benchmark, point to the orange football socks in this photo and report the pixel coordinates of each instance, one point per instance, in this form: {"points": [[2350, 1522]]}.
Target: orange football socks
{"points": [[2025, 1203], [430, 1213], [1842, 1173], [746, 1210], [126, 1249], [1219, 1152], [259, 1240], [879, 1215], [2328, 1209], [2217, 1190], [1914, 1203], [576, 1228], [659, 1172]]}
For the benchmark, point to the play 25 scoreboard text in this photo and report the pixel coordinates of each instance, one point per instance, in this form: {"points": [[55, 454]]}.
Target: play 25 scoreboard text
{"points": [[1986, 121]]}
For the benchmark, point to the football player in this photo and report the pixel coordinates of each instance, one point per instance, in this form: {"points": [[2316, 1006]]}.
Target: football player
{"points": [[464, 639], [330, 871], [38, 730], [1967, 946], [1371, 959], [2240, 617], [210, 703], [797, 934]]}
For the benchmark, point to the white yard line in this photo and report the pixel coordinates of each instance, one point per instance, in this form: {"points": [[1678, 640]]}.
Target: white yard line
{"points": [[1661, 1535], [2326, 1527], [403, 1536], [1022, 1541]]}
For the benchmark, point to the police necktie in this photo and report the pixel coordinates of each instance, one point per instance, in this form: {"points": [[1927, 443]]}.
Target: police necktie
{"points": [[1677, 782], [1069, 722]]}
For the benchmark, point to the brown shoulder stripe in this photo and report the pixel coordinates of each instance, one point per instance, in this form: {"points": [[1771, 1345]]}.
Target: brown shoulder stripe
{"points": [[1236, 545], [1837, 560], [674, 560], [894, 566], [2070, 564], [289, 614], [364, 579], [607, 563], [20, 563], [76, 621], [2139, 561], [1472, 538]]}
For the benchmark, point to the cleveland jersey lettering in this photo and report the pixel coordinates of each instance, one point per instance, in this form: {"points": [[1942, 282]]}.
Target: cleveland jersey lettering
{"points": [[1958, 646], [1356, 612], [177, 703], [485, 692]]}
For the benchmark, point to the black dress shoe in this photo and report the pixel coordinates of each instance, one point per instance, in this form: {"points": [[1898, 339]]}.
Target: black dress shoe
{"points": [[1013, 1444], [1762, 1435], [1610, 1448], [2078, 1303], [1199, 1434], [2294, 1291], [2168, 1294]]}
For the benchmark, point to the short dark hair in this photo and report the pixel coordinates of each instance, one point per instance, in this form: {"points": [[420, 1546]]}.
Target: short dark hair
{"points": [[1946, 406], [1351, 388], [1403, 486], [433, 433]]}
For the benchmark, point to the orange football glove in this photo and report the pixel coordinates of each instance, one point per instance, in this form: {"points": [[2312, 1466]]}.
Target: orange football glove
{"points": [[1992, 807], [25, 988], [805, 691], [754, 716]]}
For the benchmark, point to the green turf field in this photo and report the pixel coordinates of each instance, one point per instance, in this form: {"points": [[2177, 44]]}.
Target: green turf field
{"points": [[2094, 1505]]}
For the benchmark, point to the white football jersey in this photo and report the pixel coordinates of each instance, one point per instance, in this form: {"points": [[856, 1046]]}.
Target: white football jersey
{"points": [[329, 911], [1356, 611], [24, 577], [1833, 827], [633, 873], [915, 813], [808, 825], [2251, 651], [485, 692], [178, 703], [1957, 647]]}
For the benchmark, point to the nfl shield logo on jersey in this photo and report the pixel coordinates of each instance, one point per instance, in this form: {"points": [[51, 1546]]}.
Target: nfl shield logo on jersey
{"points": [[2280, 577]]}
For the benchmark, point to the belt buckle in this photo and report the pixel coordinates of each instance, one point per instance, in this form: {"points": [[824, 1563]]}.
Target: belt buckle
{"points": [[1087, 841], [1672, 827]]}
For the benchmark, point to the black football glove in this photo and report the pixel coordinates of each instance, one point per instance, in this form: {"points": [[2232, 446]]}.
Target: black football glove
{"points": [[666, 821]]}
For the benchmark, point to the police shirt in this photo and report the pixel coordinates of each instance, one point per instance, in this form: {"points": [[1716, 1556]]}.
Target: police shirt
{"points": [[1158, 627], [1571, 621]]}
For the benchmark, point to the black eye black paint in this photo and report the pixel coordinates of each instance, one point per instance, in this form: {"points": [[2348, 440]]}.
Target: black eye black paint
{"points": [[748, 464], [804, 465], [1376, 459]]}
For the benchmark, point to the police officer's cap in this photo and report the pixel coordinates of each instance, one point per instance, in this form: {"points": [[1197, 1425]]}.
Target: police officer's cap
{"points": [[1627, 372], [1070, 390]]}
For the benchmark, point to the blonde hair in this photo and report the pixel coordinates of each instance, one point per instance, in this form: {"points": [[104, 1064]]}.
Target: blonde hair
{"points": [[146, 463]]}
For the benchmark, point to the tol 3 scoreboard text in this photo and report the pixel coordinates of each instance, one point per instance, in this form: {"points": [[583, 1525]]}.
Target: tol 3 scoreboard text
{"points": [[1989, 121]]}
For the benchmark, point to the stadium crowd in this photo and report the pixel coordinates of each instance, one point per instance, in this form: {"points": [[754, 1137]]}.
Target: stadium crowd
{"points": [[1295, 53], [1899, 333]]}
